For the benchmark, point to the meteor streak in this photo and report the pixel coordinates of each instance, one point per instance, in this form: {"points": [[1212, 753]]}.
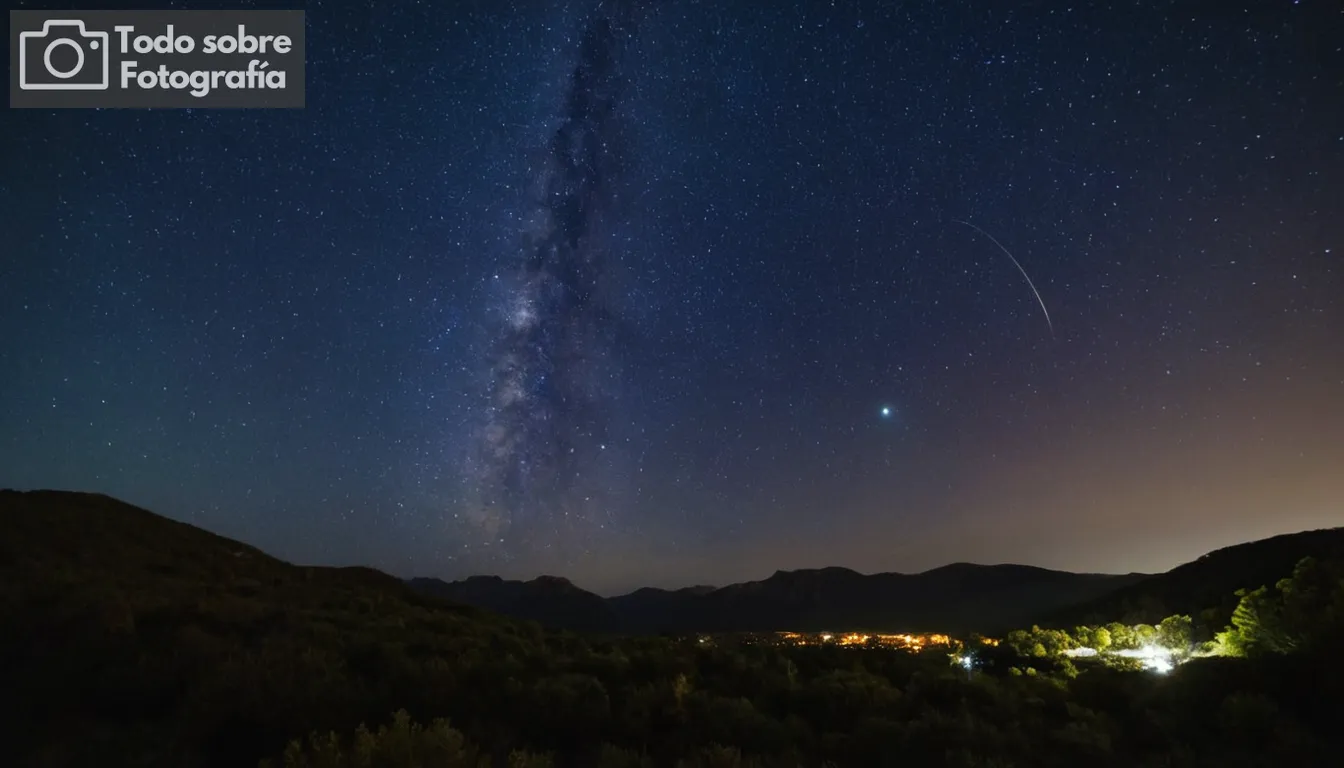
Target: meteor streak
{"points": [[1032, 285]]}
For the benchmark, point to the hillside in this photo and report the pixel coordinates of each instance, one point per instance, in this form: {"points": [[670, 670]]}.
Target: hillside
{"points": [[956, 598], [1206, 584], [126, 633], [133, 640]]}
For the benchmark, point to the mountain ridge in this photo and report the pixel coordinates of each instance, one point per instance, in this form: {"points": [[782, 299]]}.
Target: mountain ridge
{"points": [[954, 597], [136, 635], [957, 597]]}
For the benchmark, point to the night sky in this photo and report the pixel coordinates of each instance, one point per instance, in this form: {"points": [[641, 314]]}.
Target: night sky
{"points": [[690, 292]]}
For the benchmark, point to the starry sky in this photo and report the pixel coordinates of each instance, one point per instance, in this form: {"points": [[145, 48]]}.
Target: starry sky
{"points": [[685, 293]]}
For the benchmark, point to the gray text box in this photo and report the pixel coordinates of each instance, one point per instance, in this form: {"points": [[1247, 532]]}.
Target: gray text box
{"points": [[130, 59]]}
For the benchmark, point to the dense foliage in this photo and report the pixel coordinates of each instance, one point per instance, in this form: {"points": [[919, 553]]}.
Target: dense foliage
{"points": [[132, 640], [1303, 613], [1205, 589], [1174, 634]]}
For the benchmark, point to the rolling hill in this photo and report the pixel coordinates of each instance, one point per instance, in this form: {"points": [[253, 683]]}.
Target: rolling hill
{"points": [[132, 639], [1206, 585]]}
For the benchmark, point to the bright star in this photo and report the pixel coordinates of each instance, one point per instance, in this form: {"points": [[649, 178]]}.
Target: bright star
{"points": [[886, 411]]}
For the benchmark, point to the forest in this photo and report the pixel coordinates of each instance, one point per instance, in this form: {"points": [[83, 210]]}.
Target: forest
{"points": [[131, 640]]}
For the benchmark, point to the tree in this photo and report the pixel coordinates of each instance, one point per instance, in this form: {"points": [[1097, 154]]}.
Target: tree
{"points": [[1176, 633], [1101, 639], [402, 744], [569, 709], [1056, 641], [1145, 634], [1086, 637], [1122, 637], [615, 757], [1305, 610], [1312, 614], [1254, 625], [1021, 641]]}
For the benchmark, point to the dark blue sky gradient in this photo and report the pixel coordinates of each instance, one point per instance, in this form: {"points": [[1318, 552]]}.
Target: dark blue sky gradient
{"points": [[276, 324]]}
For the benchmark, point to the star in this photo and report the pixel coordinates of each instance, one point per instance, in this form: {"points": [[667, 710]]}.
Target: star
{"points": [[435, 306]]}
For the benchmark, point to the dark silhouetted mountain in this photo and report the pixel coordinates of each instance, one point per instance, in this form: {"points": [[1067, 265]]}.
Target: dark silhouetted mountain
{"points": [[954, 598], [960, 597], [55, 543], [132, 639], [550, 600], [1207, 584]]}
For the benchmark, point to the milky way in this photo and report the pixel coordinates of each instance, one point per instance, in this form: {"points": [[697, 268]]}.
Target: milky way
{"points": [[540, 464], [396, 327]]}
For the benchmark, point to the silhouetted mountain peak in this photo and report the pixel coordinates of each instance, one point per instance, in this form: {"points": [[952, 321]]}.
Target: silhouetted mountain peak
{"points": [[805, 576], [828, 571], [651, 592], [484, 580], [555, 582], [958, 566], [661, 593]]}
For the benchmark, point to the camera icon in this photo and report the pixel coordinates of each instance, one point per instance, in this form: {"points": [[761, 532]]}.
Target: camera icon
{"points": [[64, 56]]}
